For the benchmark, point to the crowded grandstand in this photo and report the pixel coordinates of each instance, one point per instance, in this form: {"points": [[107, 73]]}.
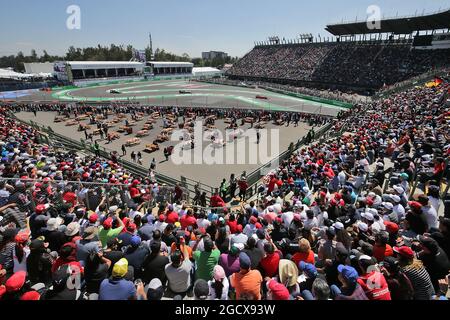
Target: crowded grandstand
{"points": [[358, 209]]}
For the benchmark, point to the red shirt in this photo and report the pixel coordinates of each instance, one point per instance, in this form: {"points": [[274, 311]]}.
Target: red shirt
{"points": [[217, 201], [172, 217], [134, 192], [307, 257], [233, 226], [187, 221], [375, 286], [270, 264]]}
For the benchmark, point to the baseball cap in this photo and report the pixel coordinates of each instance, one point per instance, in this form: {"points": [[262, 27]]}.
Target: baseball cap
{"points": [[135, 241], [367, 215], [308, 269], [93, 218], [338, 225], [348, 273], [155, 290], [107, 224], [120, 268], [16, 281], [387, 205], [279, 291], [404, 251], [244, 261]]}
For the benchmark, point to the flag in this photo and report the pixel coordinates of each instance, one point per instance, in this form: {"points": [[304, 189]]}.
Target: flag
{"points": [[438, 81]]}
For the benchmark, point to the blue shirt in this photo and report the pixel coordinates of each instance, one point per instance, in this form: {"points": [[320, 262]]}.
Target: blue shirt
{"points": [[116, 290]]}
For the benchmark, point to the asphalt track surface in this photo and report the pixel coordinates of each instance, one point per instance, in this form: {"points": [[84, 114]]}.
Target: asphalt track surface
{"points": [[167, 93]]}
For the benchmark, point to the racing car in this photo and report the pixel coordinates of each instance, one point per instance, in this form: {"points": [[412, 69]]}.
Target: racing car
{"points": [[185, 92], [114, 91], [261, 97]]}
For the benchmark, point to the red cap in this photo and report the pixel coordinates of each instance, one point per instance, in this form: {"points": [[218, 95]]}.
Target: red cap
{"points": [[162, 218], [391, 227], [279, 220], [369, 202], [131, 227], [135, 182], [415, 205], [107, 224], [239, 227], [404, 251], [337, 196], [93, 218], [22, 237], [333, 202], [297, 217], [258, 225], [31, 296], [85, 175], [322, 194], [279, 291], [253, 220], [16, 282], [40, 208], [46, 179]]}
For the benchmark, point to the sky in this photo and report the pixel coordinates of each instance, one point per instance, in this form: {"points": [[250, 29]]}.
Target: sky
{"points": [[181, 26]]}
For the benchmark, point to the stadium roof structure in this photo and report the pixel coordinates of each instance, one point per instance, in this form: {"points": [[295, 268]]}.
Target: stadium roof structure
{"points": [[80, 65], [170, 64], [404, 25]]}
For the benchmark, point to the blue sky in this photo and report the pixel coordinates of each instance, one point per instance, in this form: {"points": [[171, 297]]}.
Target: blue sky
{"points": [[190, 26]]}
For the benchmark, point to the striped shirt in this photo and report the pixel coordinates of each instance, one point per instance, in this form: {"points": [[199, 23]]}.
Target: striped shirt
{"points": [[421, 282]]}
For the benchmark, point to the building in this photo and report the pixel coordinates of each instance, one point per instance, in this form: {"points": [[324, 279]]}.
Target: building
{"points": [[206, 72], [214, 54], [40, 68], [170, 68], [103, 69]]}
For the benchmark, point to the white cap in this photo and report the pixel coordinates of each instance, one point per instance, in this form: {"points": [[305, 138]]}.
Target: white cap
{"points": [[364, 257], [399, 189], [338, 225], [363, 226], [388, 205], [367, 215], [395, 198]]}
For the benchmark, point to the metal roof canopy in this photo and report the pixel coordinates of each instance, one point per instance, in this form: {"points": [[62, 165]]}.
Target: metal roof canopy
{"points": [[435, 21]]}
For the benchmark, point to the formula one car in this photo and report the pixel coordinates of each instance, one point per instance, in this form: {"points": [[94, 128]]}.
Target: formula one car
{"points": [[261, 97], [114, 91], [185, 92]]}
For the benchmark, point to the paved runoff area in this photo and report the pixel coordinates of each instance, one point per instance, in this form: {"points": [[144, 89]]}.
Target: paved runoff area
{"points": [[208, 174]]}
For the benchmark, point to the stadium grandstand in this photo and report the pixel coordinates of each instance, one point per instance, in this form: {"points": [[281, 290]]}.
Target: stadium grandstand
{"points": [[353, 60], [357, 209]]}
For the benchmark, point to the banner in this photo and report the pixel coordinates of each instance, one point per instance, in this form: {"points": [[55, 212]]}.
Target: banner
{"points": [[60, 69], [140, 56]]}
